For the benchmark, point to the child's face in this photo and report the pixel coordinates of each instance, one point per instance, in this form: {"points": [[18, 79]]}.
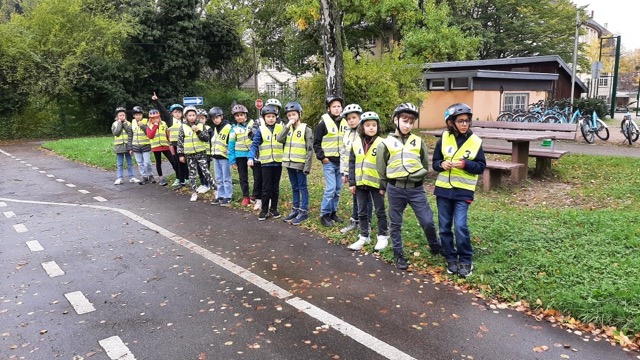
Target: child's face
{"points": [[293, 116], [121, 116], [335, 108], [191, 117], [270, 119], [405, 123], [240, 117], [353, 119], [217, 120], [137, 116], [201, 119], [177, 113], [370, 127]]}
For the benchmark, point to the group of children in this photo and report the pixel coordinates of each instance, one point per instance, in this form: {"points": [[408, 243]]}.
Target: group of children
{"points": [[348, 143]]}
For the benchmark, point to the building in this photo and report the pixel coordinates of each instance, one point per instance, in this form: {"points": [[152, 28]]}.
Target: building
{"points": [[599, 82]]}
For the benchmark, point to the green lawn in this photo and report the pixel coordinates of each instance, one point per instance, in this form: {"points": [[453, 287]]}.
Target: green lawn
{"points": [[569, 242]]}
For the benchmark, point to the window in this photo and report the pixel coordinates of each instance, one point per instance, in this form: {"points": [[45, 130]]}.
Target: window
{"points": [[371, 42], [603, 82], [514, 101], [436, 84], [273, 90], [460, 83]]}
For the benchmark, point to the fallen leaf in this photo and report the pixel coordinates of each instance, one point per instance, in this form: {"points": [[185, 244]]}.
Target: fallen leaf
{"points": [[42, 332], [542, 348], [229, 343], [484, 328], [565, 356], [202, 356]]}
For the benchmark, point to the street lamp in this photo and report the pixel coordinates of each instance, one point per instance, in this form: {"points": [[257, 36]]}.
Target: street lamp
{"points": [[615, 71]]}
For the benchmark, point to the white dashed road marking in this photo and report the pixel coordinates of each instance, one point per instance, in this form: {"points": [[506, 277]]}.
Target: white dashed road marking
{"points": [[79, 302], [28, 165], [100, 198], [50, 175], [42, 172], [116, 349], [35, 168], [22, 161], [70, 185], [20, 228], [84, 191], [34, 245], [9, 214], [3, 204], [60, 180], [52, 269]]}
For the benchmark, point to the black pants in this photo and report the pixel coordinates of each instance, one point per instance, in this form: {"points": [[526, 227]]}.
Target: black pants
{"points": [[168, 156], [271, 187], [366, 195], [243, 175], [183, 170], [257, 180], [354, 212]]}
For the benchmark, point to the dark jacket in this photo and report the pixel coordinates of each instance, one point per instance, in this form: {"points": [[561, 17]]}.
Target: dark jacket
{"points": [[352, 157], [223, 123], [318, 135]]}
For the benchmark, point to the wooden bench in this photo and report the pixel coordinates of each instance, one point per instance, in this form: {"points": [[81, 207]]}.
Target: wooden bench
{"points": [[492, 175], [543, 157], [553, 131]]}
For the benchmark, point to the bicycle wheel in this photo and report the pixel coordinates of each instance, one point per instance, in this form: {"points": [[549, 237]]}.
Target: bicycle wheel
{"points": [[601, 130], [552, 119], [635, 132], [530, 119], [505, 117], [585, 129], [627, 129]]}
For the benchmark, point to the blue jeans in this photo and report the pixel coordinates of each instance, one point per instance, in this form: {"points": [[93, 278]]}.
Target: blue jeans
{"points": [[454, 212], [332, 187], [144, 163], [120, 162], [299, 188], [222, 171]]}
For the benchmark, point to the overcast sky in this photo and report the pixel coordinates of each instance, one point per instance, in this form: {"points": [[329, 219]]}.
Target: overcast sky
{"points": [[621, 17]]}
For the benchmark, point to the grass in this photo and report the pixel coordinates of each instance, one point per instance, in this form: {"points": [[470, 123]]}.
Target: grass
{"points": [[569, 242]]}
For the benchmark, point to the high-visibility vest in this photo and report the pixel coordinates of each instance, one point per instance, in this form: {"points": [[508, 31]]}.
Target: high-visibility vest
{"points": [[208, 144], [404, 159], [160, 138], [332, 141], [123, 139], [192, 143], [243, 143], [347, 142], [140, 137], [458, 178], [220, 143], [295, 145], [270, 150], [174, 131], [366, 173]]}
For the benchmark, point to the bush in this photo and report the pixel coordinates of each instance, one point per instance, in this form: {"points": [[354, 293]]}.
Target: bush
{"points": [[225, 98]]}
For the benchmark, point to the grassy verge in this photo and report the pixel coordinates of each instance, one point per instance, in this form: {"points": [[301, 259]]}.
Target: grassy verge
{"points": [[569, 242]]}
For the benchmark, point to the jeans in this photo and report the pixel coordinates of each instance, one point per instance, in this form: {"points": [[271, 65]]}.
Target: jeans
{"points": [[366, 196], [119, 163], [454, 212], [222, 170], [144, 163], [299, 189], [332, 187]]}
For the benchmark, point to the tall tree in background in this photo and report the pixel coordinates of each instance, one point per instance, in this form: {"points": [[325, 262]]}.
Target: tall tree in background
{"points": [[332, 47]]}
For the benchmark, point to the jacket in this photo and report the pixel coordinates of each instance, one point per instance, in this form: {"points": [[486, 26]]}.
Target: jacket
{"points": [[308, 140], [412, 179]]}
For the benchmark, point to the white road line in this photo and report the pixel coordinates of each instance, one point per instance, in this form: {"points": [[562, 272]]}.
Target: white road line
{"points": [[4, 152], [84, 192], [60, 180], [22, 161], [52, 269], [3, 204], [42, 172], [20, 228], [100, 198], [9, 214], [35, 168], [28, 165], [50, 175], [349, 330], [18, 159], [79, 302], [116, 349], [70, 185], [34, 245]]}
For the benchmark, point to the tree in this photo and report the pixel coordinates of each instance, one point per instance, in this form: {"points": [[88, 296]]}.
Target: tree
{"points": [[332, 47]]}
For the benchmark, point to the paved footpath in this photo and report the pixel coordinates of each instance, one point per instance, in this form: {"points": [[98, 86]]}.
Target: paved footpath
{"points": [[97, 271]]}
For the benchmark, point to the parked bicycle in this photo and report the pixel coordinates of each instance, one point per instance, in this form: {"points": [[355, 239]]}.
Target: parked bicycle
{"points": [[629, 128], [591, 125]]}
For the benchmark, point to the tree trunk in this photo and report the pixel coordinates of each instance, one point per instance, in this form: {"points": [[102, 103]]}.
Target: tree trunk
{"points": [[331, 21]]}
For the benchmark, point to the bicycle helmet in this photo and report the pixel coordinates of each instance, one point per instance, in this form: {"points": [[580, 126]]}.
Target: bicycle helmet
{"points": [[215, 111], [190, 108], [239, 109], [175, 107], [269, 109], [369, 115], [137, 110], [351, 108], [293, 106], [274, 102], [120, 109], [333, 98], [406, 108], [457, 109], [153, 113], [202, 112]]}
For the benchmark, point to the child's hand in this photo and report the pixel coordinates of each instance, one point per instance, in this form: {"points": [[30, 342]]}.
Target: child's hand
{"points": [[194, 128], [345, 179], [250, 162], [182, 159], [352, 189], [382, 192], [234, 167], [154, 97], [291, 122], [445, 165], [325, 160], [458, 164]]}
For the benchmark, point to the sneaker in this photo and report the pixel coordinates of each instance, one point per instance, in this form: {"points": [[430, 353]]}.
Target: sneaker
{"points": [[143, 181], [215, 201], [152, 179], [245, 201], [252, 199], [118, 181], [326, 221], [335, 217], [353, 224], [465, 270], [257, 205], [202, 189], [194, 197], [134, 180], [302, 216], [292, 215], [452, 267], [225, 201], [383, 241], [176, 183], [262, 216], [362, 240], [275, 214], [162, 182], [401, 262]]}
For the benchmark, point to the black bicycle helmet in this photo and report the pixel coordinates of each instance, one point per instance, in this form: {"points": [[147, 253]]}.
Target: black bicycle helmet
{"points": [[269, 109], [406, 108], [293, 106], [333, 98], [137, 110], [215, 111], [457, 109]]}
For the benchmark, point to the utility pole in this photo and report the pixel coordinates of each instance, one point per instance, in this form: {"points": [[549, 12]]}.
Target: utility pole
{"points": [[255, 66], [575, 58], [615, 77]]}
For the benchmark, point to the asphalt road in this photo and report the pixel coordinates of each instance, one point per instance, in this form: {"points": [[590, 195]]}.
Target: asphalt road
{"points": [[97, 271]]}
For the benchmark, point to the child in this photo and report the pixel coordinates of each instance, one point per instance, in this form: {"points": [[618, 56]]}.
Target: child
{"points": [[402, 164], [239, 144], [201, 118], [220, 154], [140, 145], [174, 130], [327, 141], [459, 159], [192, 147], [364, 181], [298, 154], [158, 133], [121, 130], [271, 154]]}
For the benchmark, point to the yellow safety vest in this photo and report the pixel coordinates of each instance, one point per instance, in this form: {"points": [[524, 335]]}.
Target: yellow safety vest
{"points": [[332, 141], [220, 141], [192, 143], [366, 173], [458, 178], [347, 142], [123, 139], [295, 145], [270, 150], [140, 137], [243, 143], [404, 159], [160, 139], [174, 131], [206, 128]]}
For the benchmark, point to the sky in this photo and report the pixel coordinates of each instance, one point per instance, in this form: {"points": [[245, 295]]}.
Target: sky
{"points": [[621, 17]]}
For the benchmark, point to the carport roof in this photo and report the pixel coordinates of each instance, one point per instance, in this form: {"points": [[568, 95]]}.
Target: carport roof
{"points": [[491, 74]]}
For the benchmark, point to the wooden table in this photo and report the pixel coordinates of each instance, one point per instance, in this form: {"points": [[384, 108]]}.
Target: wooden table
{"points": [[520, 141]]}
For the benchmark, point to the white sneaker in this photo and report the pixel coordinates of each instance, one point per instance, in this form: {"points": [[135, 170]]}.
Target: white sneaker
{"points": [[194, 197], [134, 180], [118, 181], [257, 205], [202, 189], [383, 241], [360, 243]]}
